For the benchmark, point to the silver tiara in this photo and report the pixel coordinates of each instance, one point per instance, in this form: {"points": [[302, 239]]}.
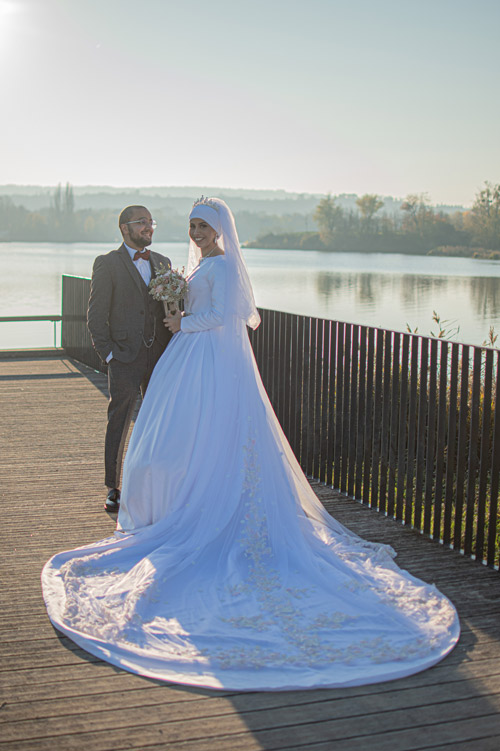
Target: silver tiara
{"points": [[206, 202]]}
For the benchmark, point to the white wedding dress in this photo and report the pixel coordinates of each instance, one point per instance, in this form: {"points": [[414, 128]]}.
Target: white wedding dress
{"points": [[225, 570]]}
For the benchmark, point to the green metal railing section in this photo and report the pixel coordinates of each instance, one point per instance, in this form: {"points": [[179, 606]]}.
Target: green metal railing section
{"points": [[75, 336], [16, 319], [407, 424]]}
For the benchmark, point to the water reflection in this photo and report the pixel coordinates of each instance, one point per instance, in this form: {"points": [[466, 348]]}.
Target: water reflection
{"points": [[485, 297], [395, 300], [369, 288], [383, 290], [327, 283]]}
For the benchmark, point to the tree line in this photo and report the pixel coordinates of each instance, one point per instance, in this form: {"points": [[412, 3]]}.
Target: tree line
{"points": [[62, 221], [418, 228], [415, 228], [57, 222]]}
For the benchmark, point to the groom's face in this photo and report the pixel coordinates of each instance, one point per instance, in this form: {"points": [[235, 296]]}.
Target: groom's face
{"points": [[138, 232]]}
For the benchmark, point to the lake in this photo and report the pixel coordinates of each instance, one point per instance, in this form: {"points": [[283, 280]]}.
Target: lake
{"points": [[376, 289]]}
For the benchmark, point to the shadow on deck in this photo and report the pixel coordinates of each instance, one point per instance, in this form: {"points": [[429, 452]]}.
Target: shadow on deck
{"points": [[55, 696]]}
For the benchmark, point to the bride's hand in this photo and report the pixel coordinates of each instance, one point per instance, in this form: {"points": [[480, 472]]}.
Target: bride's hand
{"points": [[173, 321]]}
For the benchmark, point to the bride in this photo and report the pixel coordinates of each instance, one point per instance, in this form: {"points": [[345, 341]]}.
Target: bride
{"points": [[225, 570]]}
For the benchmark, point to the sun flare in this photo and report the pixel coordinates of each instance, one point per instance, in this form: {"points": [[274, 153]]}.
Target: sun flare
{"points": [[9, 11], [8, 7]]}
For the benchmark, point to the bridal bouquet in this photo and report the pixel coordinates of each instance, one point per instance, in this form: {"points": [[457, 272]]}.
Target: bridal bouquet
{"points": [[169, 287]]}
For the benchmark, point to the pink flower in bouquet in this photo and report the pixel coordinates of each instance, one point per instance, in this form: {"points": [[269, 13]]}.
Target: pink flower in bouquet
{"points": [[169, 287]]}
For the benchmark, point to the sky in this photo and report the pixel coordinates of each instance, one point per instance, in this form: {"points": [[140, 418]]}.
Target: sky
{"points": [[312, 96]]}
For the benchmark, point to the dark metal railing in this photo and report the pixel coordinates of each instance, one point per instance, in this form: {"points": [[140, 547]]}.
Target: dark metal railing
{"points": [[407, 424]]}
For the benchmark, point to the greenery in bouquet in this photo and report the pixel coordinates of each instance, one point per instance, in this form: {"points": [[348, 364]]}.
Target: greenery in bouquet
{"points": [[168, 286]]}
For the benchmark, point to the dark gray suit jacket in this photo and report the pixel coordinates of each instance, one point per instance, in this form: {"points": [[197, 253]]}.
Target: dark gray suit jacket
{"points": [[121, 311]]}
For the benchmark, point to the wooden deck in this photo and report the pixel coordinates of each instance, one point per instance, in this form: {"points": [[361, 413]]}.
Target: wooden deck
{"points": [[55, 696]]}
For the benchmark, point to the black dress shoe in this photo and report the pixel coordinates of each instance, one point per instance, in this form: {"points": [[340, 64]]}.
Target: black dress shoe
{"points": [[112, 502]]}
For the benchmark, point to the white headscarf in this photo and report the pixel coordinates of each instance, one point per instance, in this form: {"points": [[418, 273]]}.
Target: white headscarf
{"points": [[239, 300], [208, 213]]}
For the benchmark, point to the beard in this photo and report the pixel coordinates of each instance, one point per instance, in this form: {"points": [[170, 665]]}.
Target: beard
{"points": [[140, 240]]}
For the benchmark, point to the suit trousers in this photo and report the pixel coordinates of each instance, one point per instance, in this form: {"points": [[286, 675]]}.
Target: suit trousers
{"points": [[126, 380]]}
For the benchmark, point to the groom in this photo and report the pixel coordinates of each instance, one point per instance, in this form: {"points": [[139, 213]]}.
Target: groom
{"points": [[127, 330]]}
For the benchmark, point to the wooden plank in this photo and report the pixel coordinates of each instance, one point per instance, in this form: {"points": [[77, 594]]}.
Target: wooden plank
{"points": [[185, 706], [326, 721]]}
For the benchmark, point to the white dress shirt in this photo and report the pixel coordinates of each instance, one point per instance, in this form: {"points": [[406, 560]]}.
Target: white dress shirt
{"points": [[142, 266]]}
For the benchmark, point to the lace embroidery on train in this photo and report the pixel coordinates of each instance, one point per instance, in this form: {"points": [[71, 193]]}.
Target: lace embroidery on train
{"points": [[309, 639]]}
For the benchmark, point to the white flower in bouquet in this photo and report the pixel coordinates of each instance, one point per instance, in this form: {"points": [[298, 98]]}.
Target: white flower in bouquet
{"points": [[169, 287]]}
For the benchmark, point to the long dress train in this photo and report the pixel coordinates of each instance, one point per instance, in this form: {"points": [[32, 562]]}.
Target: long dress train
{"points": [[225, 570]]}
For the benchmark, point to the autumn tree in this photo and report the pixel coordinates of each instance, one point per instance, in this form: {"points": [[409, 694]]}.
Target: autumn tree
{"points": [[368, 206], [483, 220], [329, 217], [418, 213]]}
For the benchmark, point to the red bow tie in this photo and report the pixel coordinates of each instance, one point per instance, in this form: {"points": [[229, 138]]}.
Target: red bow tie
{"points": [[144, 254]]}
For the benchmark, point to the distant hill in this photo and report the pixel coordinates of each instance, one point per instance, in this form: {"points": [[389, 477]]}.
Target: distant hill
{"points": [[180, 198], [257, 212]]}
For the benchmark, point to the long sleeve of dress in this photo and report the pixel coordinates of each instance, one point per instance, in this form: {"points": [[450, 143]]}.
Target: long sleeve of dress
{"points": [[213, 314]]}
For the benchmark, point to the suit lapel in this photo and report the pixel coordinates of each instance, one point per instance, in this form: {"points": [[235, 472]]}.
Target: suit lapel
{"points": [[130, 266]]}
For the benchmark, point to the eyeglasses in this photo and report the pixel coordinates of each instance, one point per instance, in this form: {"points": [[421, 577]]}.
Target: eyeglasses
{"points": [[144, 223]]}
